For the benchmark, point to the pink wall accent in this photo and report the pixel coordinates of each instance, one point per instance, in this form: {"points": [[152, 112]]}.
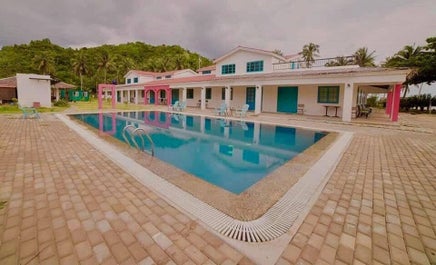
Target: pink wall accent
{"points": [[102, 87], [396, 102], [156, 90], [389, 103], [101, 124]]}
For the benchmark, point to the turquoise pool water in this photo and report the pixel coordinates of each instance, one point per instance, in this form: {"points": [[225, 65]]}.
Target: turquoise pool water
{"points": [[233, 155]]}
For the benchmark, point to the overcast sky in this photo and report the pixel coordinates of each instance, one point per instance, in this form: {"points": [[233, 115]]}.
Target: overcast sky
{"points": [[212, 28]]}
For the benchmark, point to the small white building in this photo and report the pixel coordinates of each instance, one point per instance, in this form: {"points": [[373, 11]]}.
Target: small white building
{"points": [[34, 90], [29, 89]]}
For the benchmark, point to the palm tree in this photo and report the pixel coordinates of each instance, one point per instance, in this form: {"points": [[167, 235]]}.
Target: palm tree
{"points": [[106, 62], [405, 57], [122, 65], [180, 60], [309, 52], [339, 61], [278, 52], [44, 63], [363, 58], [80, 66]]}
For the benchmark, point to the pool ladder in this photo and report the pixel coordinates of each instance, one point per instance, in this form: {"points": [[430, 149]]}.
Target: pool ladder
{"points": [[132, 132]]}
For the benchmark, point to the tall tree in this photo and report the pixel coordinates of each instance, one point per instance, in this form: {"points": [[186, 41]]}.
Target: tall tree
{"points": [[44, 63], [309, 52], [278, 52], [405, 57], [340, 61], [181, 60], [422, 62], [363, 58], [80, 66], [105, 63], [122, 66]]}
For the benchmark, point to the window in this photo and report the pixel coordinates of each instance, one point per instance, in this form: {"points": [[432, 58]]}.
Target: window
{"points": [[228, 69], [223, 93], [159, 77], [190, 93], [206, 72], [328, 94], [208, 93], [256, 66], [129, 80], [135, 80], [168, 76]]}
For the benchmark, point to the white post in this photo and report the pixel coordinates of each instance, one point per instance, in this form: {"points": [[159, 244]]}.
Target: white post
{"points": [[256, 133], [136, 96], [202, 124], [105, 94], [348, 102], [203, 98], [128, 95], [57, 94], [227, 96], [184, 94], [258, 99]]}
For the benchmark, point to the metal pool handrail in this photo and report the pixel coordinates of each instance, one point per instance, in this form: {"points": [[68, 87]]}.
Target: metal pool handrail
{"points": [[133, 131]]}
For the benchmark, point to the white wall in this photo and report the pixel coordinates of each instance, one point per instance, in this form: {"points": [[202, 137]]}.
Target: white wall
{"points": [[33, 88], [240, 59], [307, 95], [186, 73], [141, 79]]}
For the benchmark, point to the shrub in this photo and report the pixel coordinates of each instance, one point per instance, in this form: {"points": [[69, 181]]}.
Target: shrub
{"points": [[61, 103]]}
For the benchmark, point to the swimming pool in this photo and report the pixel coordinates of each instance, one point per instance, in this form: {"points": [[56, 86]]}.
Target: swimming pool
{"points": [[230, 154]]}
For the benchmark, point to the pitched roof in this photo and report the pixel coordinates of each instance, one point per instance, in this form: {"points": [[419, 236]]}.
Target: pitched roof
{"points": [[63, 85], [253, 50], [9, 82], [207, 68], [181, 80], [154, 74]]}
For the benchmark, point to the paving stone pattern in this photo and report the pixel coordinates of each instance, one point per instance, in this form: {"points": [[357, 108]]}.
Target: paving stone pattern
{"points": [[68, 204]]}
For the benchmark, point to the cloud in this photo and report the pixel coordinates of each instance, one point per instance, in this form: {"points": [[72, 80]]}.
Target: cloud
{"points": [[214, 27]]}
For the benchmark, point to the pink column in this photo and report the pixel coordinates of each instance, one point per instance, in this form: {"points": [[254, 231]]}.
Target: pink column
{"points": [[114, 97], [169, 95], [99, 95], [389, 103], [396, 102]]}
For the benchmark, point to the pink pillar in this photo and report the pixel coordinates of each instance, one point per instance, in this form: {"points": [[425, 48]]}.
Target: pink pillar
{"points": [[114, 97], [99, 95], [169, 95], [396, 102], [389, 103], [102, 87], [156, 92]]}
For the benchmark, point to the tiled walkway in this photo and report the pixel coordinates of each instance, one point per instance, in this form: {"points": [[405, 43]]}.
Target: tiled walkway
{"points": [[69, 204]]}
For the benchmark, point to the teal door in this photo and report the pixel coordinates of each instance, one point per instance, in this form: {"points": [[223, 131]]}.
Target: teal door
{"points": [[174, 96], [250, 97], [287, 99], [151, 97]]}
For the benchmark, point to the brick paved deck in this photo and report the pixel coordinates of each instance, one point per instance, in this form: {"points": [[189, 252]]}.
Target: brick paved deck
{"points": [[69, 204]]}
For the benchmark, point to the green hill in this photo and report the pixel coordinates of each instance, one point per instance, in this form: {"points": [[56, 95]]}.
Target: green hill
{"points": [[106, 63]]}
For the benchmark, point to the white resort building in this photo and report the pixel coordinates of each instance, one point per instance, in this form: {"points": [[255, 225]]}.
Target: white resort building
{"points": [[268, 82]]}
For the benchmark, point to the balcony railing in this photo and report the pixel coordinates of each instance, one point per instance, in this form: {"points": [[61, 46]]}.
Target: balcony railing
{"points": [[325, 62]]}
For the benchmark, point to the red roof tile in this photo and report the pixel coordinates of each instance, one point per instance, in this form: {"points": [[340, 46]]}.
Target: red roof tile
{"points": [[8, 82]]}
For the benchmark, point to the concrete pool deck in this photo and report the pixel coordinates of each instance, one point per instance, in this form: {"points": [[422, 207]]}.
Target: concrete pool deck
{"points": [[68, 203]]}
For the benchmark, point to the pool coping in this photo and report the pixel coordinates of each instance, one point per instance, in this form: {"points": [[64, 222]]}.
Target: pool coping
{"points": [[274, 229]]}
